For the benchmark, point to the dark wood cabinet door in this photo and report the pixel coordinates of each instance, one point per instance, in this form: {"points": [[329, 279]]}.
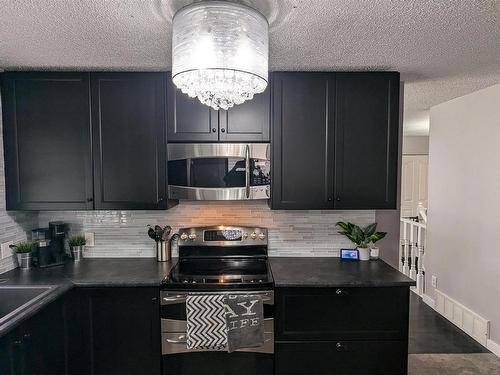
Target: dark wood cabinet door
{"points": [[302, 140], [46, 127], [247, 122], [188, 119], [315, 314], [123, 330], [366, 140], [128, 116], [342, 358], [44, 342]]}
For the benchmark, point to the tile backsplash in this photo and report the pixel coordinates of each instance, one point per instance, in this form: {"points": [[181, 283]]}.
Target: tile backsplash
{"points": [[291, 233]]}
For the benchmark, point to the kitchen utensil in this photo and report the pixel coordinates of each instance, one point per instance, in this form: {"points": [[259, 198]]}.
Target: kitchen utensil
{"points": [[151, 233], [158, 232], [167, 229]]}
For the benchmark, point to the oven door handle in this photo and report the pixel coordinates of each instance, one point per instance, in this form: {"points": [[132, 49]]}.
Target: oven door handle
{"points": [[247, 171], [181, 339]]}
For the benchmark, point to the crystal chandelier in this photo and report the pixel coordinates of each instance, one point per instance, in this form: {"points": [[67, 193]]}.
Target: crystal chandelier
{"points": [[220, 52]]}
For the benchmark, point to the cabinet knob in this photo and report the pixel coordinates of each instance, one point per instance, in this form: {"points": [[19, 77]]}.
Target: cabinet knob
{"points": [[341, 292], [329, 199], [223, 130], [90, 199], [214, 130], [340, 346], [337, 199]]}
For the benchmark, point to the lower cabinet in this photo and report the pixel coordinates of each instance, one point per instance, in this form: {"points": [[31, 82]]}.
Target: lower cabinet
{"points": [[36, 347], [121, 331], [342, 358], [341, 331]]}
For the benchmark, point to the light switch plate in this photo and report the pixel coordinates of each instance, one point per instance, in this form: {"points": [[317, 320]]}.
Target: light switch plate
{"points": [[89, 239], [6, 251]]}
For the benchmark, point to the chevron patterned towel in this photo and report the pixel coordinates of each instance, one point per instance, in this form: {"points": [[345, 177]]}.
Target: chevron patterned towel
{"points": [[206, 322]]}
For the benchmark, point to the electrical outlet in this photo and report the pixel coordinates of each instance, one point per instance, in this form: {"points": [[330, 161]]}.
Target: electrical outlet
{"points": [[6, 251], [89, 239], [434, 281]]}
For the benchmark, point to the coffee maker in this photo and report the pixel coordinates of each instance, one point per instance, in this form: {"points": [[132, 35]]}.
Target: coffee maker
{"points": [[50, 244]]}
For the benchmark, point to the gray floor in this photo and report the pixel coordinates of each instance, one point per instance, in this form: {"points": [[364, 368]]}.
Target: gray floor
{"points": [[437, 347], [454, 364]]}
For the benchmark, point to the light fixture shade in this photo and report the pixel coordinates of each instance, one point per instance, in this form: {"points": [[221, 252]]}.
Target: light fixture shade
{"points": [[220, 52]]}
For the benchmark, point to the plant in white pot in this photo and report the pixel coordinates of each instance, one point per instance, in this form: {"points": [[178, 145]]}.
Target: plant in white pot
{"points": [[361, 237]]}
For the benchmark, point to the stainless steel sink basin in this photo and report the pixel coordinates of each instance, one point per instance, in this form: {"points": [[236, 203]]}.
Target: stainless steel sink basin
{"points": [[14, 299]]}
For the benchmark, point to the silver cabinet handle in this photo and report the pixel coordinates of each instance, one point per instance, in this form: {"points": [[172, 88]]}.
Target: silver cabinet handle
{"points": [[247, 170], [181, 339], [176, 298]]}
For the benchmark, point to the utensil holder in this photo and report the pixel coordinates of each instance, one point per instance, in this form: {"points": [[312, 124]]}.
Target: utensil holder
{"points": [[162, 251]]}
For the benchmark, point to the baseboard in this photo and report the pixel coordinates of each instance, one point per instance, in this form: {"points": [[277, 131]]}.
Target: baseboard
{"points": [[493, 347], [467, 320], [428, 300]]}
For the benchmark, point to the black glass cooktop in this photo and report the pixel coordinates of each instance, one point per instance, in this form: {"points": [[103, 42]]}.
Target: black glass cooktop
{"points": [[220, 273]]}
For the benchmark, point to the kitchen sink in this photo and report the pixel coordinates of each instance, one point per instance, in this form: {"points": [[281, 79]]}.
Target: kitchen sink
{"points": [[14, 299]]}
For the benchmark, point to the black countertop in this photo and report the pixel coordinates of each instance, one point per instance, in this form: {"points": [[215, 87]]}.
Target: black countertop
{"points": [[333, 272], [95, 272], [143, 272]]}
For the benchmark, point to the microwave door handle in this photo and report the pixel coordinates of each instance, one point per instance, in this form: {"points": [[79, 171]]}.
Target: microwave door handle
{"points": [[247, 171]]}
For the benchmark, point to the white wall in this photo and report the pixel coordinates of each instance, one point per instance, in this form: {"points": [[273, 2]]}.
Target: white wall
{"points": [[416, 145], [463, 248]]}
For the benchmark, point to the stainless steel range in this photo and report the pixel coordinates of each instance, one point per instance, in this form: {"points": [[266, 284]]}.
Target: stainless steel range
{"points": [[214, 260]]}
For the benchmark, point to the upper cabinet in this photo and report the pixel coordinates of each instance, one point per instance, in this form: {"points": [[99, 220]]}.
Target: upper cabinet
{"points": [[366, 140], [191, 121], [335, 140], [47, 146], [54, 161], [302, 147], [128, 120]]}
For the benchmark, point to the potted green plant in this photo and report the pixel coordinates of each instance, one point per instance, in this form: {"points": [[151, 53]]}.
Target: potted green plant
{"points": [[375, 237], [77, 246], [361, 237], [24, 254]]}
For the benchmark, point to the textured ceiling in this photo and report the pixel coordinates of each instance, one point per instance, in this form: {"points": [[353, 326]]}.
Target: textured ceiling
{"points": [[443, 49]]}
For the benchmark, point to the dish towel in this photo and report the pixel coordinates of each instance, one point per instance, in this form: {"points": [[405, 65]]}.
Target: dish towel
{"points": [[206, 322], [245, 321]]}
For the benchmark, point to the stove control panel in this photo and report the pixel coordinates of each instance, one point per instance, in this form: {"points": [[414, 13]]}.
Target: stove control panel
{"points": [[223, 236]]}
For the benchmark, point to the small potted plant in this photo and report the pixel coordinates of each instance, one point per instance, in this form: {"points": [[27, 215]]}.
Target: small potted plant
{"points": [[77, 246], [361, 237], [24, 254], [375, 237]]}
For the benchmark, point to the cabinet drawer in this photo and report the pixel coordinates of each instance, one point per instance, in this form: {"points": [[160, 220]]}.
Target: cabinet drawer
{"points": [[341, 313], [341, 358]]}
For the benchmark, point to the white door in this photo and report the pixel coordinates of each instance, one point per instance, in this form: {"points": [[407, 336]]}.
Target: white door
{"points": [[413, 183]]}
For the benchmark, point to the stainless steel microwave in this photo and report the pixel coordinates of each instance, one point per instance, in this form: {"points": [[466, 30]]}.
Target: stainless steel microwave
{"points": [[219, 171]]}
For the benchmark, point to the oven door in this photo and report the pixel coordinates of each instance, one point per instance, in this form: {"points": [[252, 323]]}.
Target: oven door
{"points": [[219, 171], [177, 359]]}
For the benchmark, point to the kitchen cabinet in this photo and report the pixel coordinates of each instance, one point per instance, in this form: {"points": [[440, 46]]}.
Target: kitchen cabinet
{"points": [[191, 121], [341, 358], [121, 329], [366, 140], [302, 146], [47, 146], [335, 140], [26, 350], [128, 119], [354, 330]]}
